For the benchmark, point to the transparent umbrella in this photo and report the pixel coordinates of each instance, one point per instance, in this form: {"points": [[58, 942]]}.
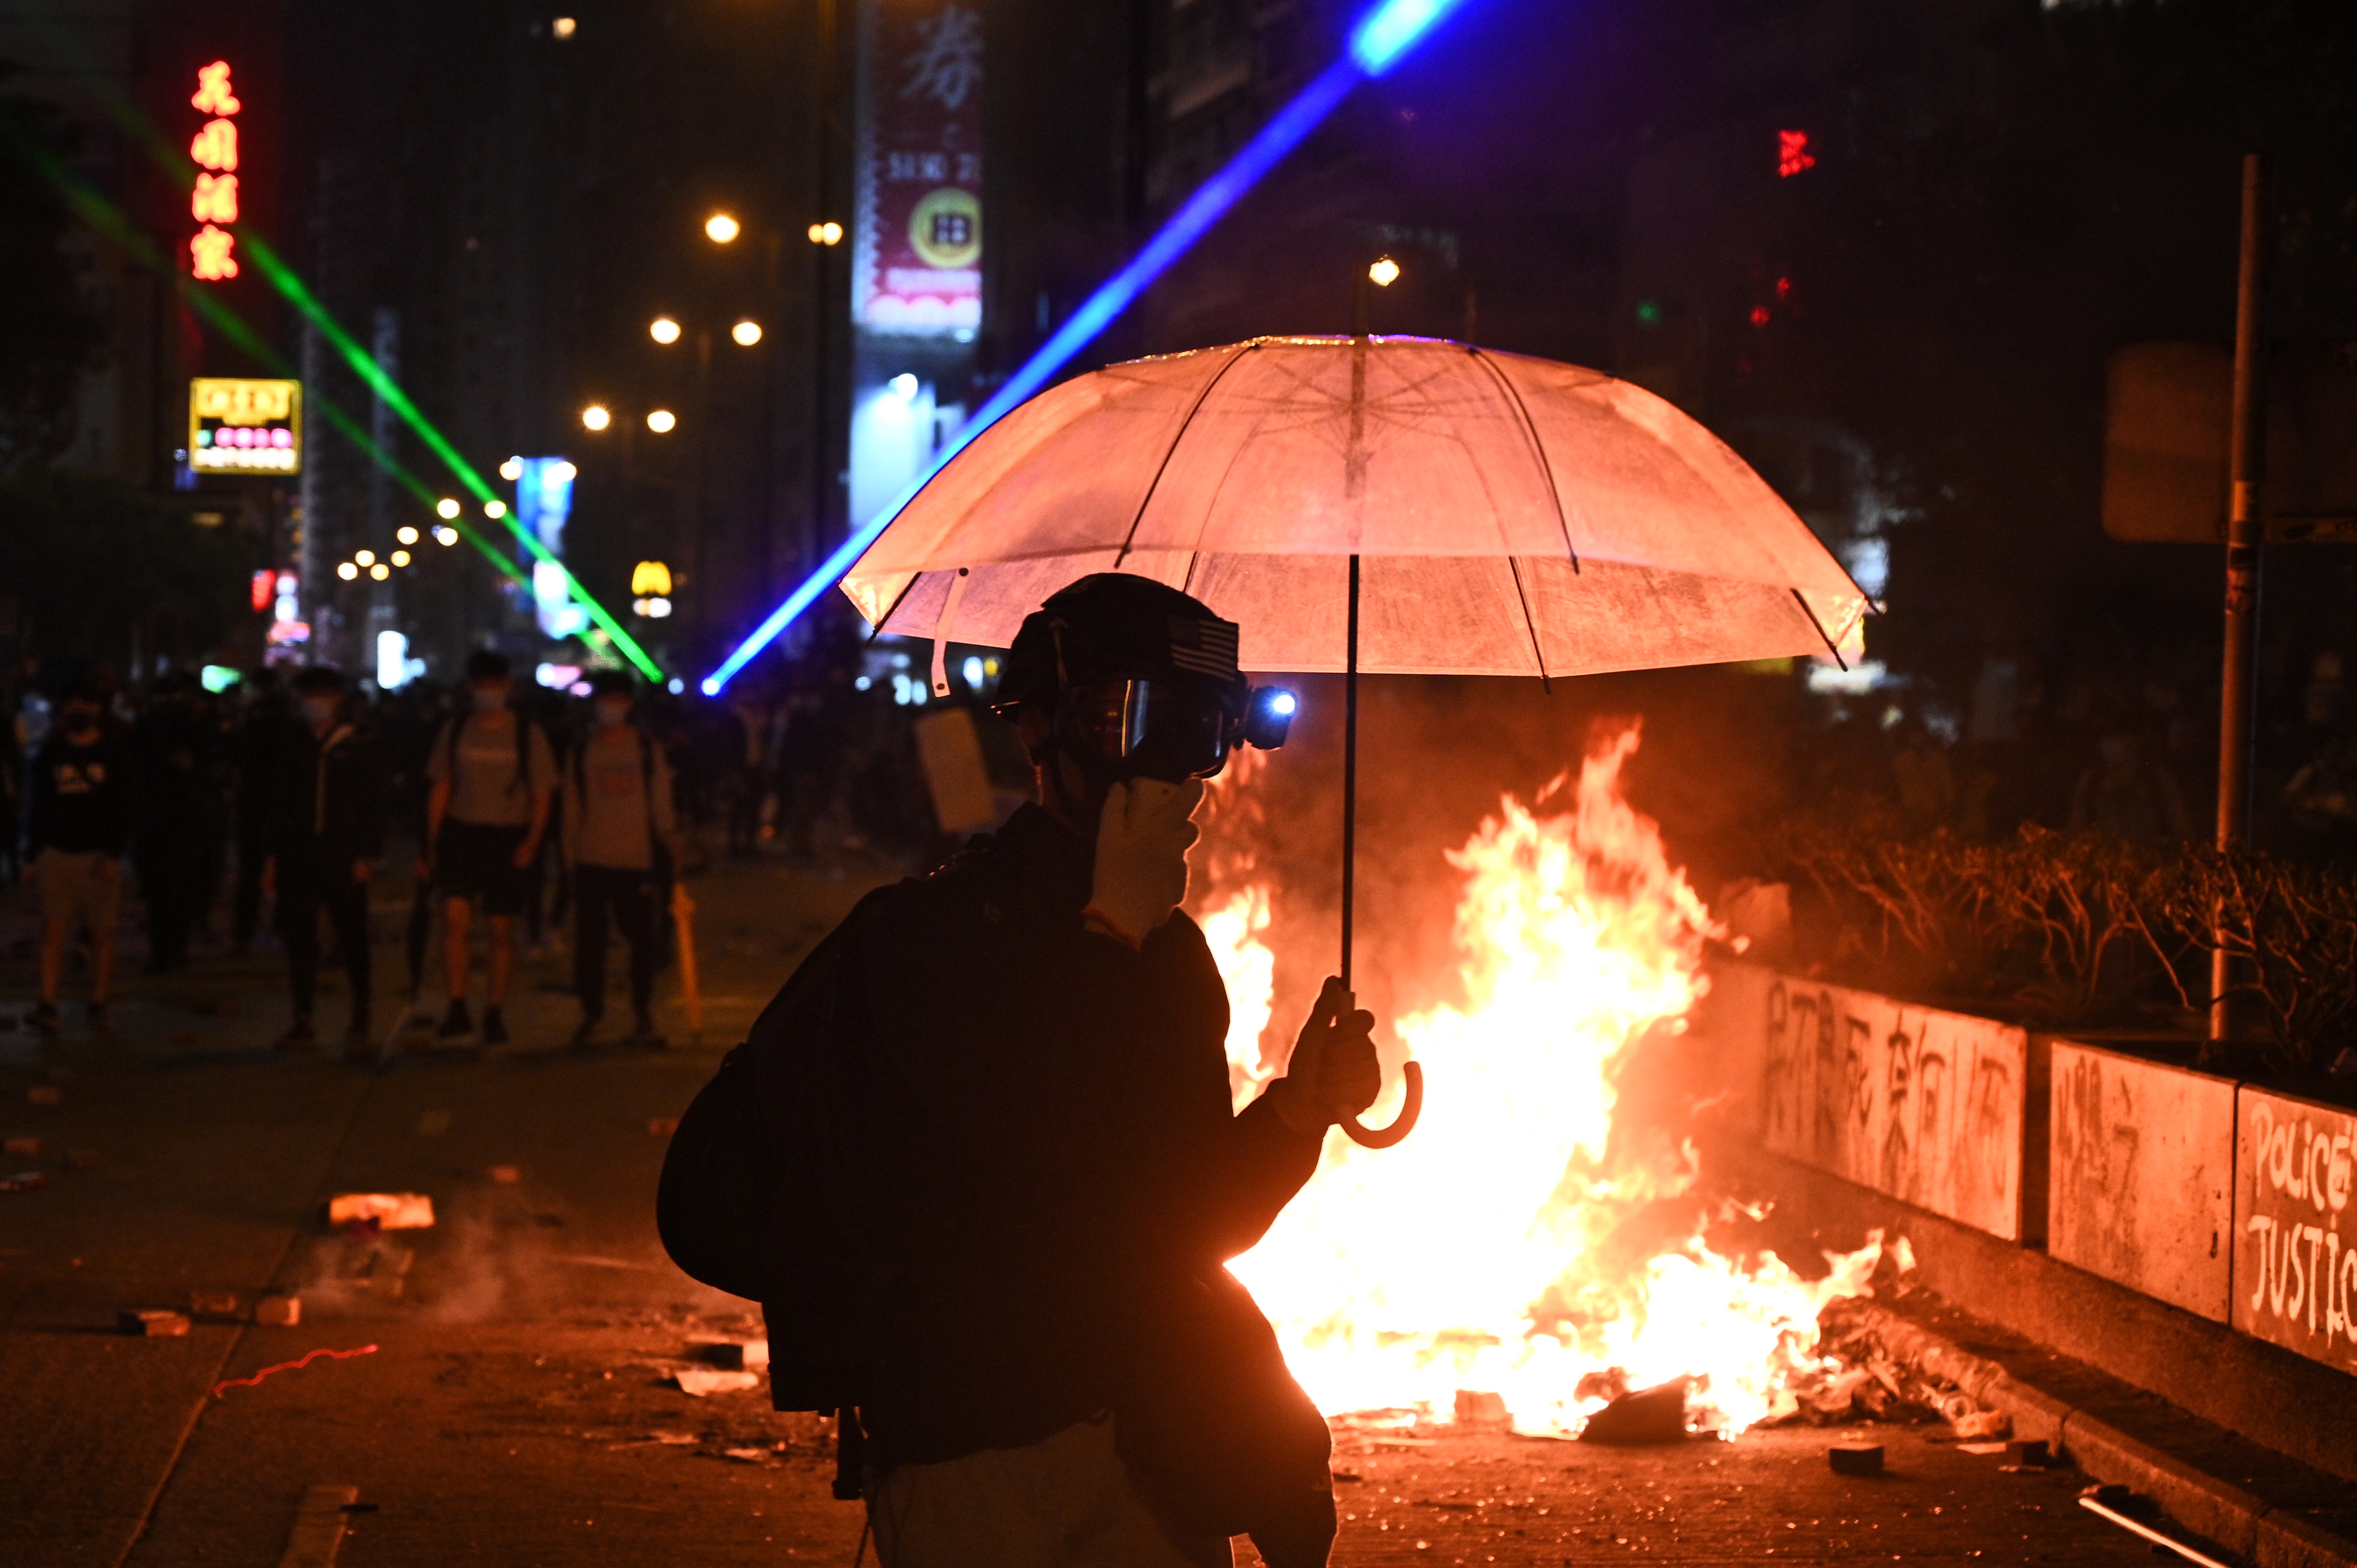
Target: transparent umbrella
{"points": [[1395, 505]]}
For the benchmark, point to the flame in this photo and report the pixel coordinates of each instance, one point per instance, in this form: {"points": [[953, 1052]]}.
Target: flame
{"points": [[1473, 1255]]}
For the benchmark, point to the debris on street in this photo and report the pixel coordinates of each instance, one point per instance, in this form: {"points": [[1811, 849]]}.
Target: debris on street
{"points": [[295, 1366], [212, 1303], [1657, 1414], [24, 1181], [697, 1381], [278, 1310], [505, 1175], [1478, 1409], [385, 1210], [737, 1355], [154, 1323], [1855, 1458], [21, 1148]]}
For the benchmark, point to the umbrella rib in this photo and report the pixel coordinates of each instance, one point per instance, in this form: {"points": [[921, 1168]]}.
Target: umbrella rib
{"points": [[1538, 449], [1537, 652], [1164, 467], [1813, 621]]}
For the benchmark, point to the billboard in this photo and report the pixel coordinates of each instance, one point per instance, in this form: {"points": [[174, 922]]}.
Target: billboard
{"points": [[242, 427], [917, 220]]}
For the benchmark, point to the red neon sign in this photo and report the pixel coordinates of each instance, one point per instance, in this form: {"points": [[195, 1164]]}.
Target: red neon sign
{"points": [[212, 250], [1792, 155]]}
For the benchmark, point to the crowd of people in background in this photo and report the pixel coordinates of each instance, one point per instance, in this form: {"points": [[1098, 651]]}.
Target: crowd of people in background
{"points": [[272, 811], [269, 812]]}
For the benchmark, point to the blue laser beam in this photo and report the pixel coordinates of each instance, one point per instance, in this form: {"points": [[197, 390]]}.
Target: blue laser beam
{"points": [[1379, 41]]}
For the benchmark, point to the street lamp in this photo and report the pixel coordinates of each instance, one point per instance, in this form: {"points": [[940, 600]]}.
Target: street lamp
{"points": [[446, 509], [720, 229], [347, 571], [662, 420], [663, 329], [401, 557], [406, 533], [365, 557], [596, 416], [826, 234], [495, 509], [379, 571], [746, 333], [1384, 272], [512, 470], [445, 536]]}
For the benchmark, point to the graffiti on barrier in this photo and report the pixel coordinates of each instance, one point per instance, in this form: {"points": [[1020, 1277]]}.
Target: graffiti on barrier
{"points": [[1920, 1105], [2143, 1154], [2295, 1272]]}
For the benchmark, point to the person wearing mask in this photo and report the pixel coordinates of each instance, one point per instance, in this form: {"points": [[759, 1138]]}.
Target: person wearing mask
{"points": [[1028, 1312], [490, 775], [80, 824], [324, 835], [621, 845]]}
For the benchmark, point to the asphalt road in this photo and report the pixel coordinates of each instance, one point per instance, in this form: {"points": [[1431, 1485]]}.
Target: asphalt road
{"points": [[510, 1398]]}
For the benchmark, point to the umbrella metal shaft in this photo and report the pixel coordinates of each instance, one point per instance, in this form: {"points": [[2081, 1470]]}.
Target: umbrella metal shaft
{"points": [[1350, 768]]}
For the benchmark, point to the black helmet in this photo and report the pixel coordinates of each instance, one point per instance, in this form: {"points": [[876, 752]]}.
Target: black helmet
{"points": [[1139, 680]]}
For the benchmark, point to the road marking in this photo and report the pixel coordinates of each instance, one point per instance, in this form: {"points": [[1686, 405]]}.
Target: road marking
{"points": [[318, 1531]]}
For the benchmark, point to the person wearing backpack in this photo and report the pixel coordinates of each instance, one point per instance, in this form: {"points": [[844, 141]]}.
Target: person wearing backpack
{"points": [[620, 843], [979, 1162], [491, 775]]}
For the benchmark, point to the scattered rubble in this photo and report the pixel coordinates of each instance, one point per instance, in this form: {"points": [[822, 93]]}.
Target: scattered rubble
{"points": [[698, 1381], [749, 1354], [153, 1324], [212, 1303], [383, 1210], [278, 1310], [1657, 1414], [24, 1181], [1855, 1458]]}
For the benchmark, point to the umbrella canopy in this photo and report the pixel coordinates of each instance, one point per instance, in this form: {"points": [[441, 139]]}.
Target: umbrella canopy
{"points": [[1514, 516]]}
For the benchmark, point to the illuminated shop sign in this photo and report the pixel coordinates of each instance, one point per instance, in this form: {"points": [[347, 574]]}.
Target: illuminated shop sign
{"points": [[917, 263], [213, 249], [246, 426]]}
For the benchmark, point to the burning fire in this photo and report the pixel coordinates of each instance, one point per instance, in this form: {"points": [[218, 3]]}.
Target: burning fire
{"points": [[1471, 1256]]}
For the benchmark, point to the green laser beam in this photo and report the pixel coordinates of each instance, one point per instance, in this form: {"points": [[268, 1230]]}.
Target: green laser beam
{"points": [[110, 221], [297, 294], [176, 162]]}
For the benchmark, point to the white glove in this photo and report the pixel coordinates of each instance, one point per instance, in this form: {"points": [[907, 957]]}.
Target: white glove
{"points": [[1143, 836]]}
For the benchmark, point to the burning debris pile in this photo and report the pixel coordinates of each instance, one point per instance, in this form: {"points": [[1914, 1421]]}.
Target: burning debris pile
{"points": [[1488, 1252]]}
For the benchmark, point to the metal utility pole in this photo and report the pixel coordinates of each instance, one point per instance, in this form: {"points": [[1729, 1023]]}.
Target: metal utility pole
{"points": [[2245, 531]]}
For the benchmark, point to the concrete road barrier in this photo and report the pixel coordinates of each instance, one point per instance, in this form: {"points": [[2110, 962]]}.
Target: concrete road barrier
{"points": [[2141, 1174]]}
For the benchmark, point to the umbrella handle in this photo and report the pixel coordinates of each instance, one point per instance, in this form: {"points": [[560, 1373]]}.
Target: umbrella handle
{"points": [[1412, 1075]]}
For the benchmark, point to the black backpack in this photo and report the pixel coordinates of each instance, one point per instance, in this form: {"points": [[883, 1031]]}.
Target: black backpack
{"points": [[763, 1195]]}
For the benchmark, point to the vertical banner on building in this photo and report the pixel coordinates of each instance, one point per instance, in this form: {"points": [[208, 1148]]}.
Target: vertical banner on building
{"points": [[543, 503], [917, 219]]}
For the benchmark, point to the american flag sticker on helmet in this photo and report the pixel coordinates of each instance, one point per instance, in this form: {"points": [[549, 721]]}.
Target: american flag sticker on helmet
{"points": [[1206, 647]]}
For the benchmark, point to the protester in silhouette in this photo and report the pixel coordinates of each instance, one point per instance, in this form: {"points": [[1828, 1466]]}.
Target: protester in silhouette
{"points": [[261, 727], [170, 772], [492, 774], [325, 835], [621, 846], [1052, 1365], [80, 826]]}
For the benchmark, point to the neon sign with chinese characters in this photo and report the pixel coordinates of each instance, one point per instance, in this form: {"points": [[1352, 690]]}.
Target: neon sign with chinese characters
{"points": [[213, 249]]}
